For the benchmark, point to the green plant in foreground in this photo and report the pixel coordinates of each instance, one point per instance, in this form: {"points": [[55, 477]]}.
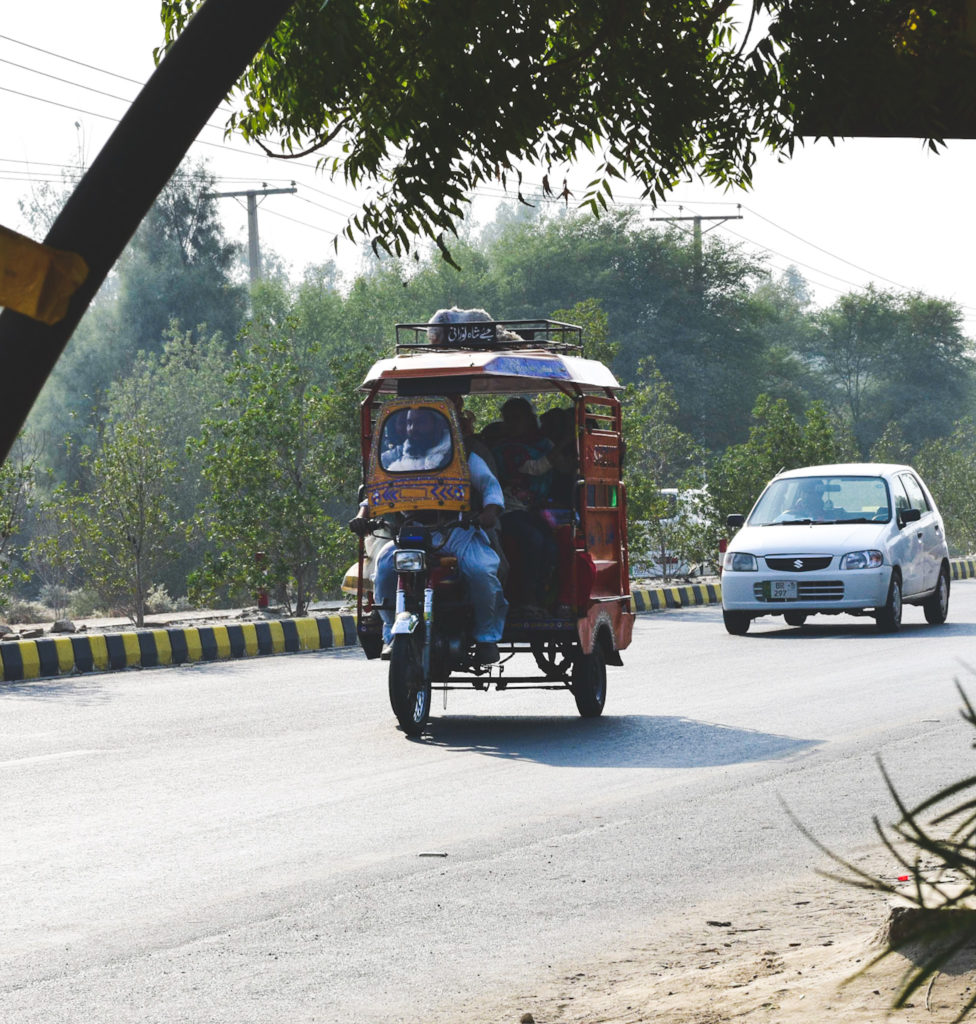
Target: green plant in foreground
{"points": [[942, 873]]}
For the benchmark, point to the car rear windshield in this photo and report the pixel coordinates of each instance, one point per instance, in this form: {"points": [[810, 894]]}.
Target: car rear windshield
{"points": [[823, 499]]}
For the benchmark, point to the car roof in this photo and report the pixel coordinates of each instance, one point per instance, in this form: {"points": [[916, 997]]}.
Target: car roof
{"points": [[847, 469], [496, 371]]}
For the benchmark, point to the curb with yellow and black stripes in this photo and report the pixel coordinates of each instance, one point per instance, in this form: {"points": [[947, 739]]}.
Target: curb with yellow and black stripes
{"points": [[150, 648], [49, 657]]}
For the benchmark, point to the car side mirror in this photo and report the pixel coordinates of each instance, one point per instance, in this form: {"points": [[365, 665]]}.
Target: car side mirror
{"points": [[909, 515], [734, 520]]}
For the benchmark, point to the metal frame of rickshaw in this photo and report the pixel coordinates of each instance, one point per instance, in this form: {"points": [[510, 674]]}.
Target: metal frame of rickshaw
{"points": [[550, 349]]}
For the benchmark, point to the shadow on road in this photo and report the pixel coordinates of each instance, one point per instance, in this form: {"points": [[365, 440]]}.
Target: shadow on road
{"points": [[88, 689], [823, 628], [632, 741]]}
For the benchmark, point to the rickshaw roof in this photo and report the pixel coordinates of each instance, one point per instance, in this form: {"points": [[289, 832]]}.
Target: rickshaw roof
{"points": [[498, 371]]}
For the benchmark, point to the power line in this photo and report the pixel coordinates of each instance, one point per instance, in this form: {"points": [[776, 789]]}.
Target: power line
{"points": [[71, 60]]}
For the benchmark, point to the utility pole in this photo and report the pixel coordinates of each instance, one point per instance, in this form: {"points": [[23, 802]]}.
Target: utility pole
{"points": [[697, 238], [253, 241], [698, 285]]}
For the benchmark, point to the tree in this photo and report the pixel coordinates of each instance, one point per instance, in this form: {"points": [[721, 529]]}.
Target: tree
{"points": [[179, 266], [892, 357], [658, 455], [270, 455], [777, 441], [176, 390], [17, 483], [126, 526], [661, 90], [948, 466]]}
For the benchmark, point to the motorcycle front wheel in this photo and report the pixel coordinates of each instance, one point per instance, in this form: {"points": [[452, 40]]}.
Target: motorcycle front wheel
{"points": [[409, 690]]}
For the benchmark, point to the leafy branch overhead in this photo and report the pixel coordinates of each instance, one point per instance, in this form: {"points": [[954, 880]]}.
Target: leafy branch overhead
{"points": [[426, 100]]}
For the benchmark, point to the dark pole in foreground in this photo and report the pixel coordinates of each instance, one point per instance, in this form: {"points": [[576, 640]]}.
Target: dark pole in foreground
{"points": [[103, 212]]}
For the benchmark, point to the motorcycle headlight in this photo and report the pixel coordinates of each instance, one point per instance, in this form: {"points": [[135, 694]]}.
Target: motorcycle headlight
{"points": [[862, 560], [409, 561], [739, 561]]}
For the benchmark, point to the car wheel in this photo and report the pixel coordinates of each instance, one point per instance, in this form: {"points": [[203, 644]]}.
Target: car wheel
{"points": [[795, 618], [737, 623], [889, 617], [936, 607]]}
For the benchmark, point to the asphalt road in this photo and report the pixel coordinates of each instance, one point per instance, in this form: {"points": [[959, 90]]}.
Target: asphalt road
{"points": [[255, 841]]}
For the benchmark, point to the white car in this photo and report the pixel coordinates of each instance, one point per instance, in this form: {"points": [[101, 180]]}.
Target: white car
{"points": [[862, 539]]}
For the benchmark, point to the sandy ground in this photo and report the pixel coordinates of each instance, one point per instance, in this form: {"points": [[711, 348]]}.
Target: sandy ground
{"points": [[789, 957]]}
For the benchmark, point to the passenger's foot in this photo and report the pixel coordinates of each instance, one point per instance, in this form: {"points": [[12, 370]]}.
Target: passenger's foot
{"points": [[485, 653], [387, 651]]}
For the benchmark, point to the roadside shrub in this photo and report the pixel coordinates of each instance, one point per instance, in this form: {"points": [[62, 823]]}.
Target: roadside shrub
{"points": [[158, 600], [83, 604], [22, 612]]}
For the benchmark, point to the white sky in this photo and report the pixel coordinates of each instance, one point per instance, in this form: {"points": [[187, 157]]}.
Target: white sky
{"points": [[886, 211]]}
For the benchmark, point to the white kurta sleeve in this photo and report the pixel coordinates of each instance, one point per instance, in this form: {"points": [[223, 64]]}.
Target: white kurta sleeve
{"points": [[484, 481]]}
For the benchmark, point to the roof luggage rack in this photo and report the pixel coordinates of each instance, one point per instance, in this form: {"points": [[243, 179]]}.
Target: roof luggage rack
{"points": [[481, 335]]}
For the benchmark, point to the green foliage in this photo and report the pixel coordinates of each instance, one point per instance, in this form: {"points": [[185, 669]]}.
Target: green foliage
{"points": [[948, 466], [17, 484], [274, 456], [402, 87], [55, 550], [590, 315], [892, 358], [125, 526], [426, 101], [777, 441], [658, 455], [705, 337], [175, 389], [179, 266]]}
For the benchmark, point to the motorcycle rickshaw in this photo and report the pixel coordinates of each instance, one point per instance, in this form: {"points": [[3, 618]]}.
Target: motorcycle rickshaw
{"points": [[418, 505]]}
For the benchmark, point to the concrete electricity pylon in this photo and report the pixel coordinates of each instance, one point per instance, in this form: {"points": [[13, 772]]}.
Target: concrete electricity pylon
{"points": [[253, 240]]}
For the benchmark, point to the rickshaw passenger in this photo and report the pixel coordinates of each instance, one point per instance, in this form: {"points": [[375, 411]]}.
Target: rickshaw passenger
{"points": [[557, 425], [526, 476]]}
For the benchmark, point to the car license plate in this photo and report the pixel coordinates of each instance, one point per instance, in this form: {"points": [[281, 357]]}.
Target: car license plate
{"points": [[782, 590]]}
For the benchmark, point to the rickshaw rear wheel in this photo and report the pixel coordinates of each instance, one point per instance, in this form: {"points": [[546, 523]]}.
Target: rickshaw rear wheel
{"points": [[409, 691], [590, 682]]}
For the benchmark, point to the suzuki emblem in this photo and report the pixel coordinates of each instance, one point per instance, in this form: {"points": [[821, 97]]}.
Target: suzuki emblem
{"points": [[798, 563]]}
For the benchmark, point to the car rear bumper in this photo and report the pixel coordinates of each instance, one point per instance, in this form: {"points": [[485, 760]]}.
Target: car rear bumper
{"points": [[828, 590]]}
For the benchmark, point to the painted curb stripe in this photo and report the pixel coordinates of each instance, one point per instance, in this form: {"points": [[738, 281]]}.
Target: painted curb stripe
{"points": [[177, 641], [653, 599], [963, 568], [50, 657]]}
